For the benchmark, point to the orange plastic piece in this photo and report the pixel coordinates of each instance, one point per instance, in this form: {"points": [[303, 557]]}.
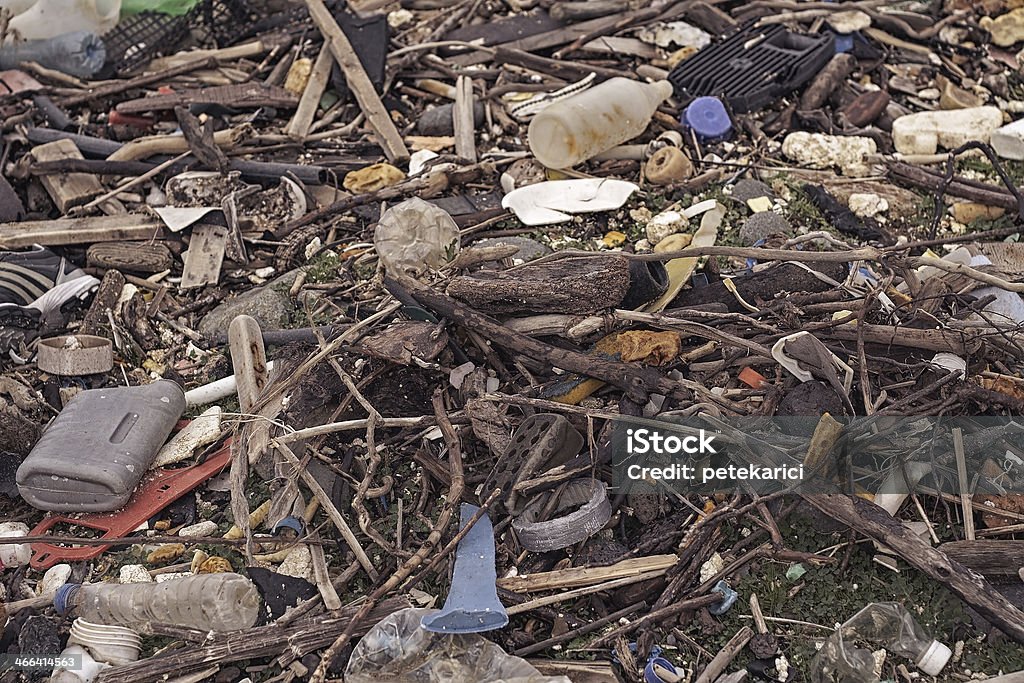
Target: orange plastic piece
{"points": [[752, 378]]}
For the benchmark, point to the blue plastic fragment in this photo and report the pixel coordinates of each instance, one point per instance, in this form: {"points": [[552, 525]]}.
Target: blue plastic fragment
{"points": [[472, 605], [707, 117], [64, 596], [729, 597], [844, 42]]}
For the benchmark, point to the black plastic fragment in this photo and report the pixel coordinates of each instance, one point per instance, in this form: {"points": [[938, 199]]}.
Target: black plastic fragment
{"points": [[753, 67], [280, 592], [844, 220], [369, 37]]}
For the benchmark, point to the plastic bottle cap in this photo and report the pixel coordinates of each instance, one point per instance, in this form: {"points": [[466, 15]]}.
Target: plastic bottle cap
{"points": [[289, 522], [708, 118], [64, 596], [934, 658]]}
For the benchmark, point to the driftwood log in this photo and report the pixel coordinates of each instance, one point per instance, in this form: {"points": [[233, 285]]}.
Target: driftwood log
{"points": [[987, 557], [578, 285]]}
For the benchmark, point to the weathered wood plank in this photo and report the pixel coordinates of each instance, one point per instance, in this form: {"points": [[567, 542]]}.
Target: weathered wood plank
{"points": [[79, 230]]}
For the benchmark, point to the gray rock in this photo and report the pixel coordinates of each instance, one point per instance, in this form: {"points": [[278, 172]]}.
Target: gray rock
{"points": [[747, 189], [762, 224], [271, 309]]}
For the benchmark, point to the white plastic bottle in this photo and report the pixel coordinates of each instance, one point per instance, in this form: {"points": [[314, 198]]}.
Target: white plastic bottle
{"points": [[209, 602], [580, 127]]}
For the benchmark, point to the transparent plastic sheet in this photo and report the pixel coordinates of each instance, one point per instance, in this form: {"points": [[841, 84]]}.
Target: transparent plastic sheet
{"points": [[397, 649]]}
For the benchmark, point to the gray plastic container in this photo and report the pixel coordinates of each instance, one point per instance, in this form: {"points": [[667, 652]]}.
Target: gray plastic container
{"points": [[95, 452]]}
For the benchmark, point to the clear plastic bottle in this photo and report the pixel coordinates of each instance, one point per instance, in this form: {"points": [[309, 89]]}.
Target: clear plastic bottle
{"points": [[209, 602], [882, 624], [580, 127]]}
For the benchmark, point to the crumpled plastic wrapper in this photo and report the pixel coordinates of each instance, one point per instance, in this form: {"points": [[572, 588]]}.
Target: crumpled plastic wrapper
{"points": [[398, 650], [416, 235]]}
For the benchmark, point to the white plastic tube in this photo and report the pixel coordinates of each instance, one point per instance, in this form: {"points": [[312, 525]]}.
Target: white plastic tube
{"points": [[214, 391]]}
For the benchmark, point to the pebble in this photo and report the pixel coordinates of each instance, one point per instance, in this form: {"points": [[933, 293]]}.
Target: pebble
{"points": [[270, 308], [746, 189], [664, 224], [817, 150], [867, 204], [762, 224], [1006, 29], [372, 178]]}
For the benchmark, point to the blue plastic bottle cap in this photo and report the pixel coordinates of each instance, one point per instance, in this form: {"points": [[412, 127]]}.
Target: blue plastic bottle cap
{"points": [[64, 596], [708, 118], [650, 676], [289, 522]]}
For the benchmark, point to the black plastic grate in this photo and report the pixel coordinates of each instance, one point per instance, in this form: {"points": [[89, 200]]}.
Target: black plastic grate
{"points": [[753, 67]]}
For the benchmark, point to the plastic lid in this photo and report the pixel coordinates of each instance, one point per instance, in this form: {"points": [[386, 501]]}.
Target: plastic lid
{"points": [[64, 596], [289, 522], [934, 658], [651, 676], [708, 118]]}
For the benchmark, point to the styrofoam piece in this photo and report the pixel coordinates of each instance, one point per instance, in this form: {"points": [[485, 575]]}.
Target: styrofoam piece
{"points": [[555, 201], [201, 431]]}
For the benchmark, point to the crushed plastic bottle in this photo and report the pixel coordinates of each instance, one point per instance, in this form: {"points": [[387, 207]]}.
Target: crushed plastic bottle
{"points": [[882, 624], [44, 19], [209, 602], [79, 54], [416, 235], [398, 649], [580, 127]]}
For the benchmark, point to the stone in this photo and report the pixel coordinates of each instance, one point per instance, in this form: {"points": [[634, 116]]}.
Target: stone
{"points": [[166, 553], [968, 212], [1006, 29], [848, 21], [955, 97], [925, 132], [664, 224], [867, 204], [817, 150], [1008, 141], [271, 308], [746, 189], [762, 224]]}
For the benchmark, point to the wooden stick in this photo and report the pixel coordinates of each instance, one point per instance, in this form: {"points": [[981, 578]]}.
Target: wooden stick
{"points": [[158, 76], [728, 653], [359, 83], [298, 127], [581, 631], [582, 576], [330, 509], [965, 493], [569, 595], [462, 119]]}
